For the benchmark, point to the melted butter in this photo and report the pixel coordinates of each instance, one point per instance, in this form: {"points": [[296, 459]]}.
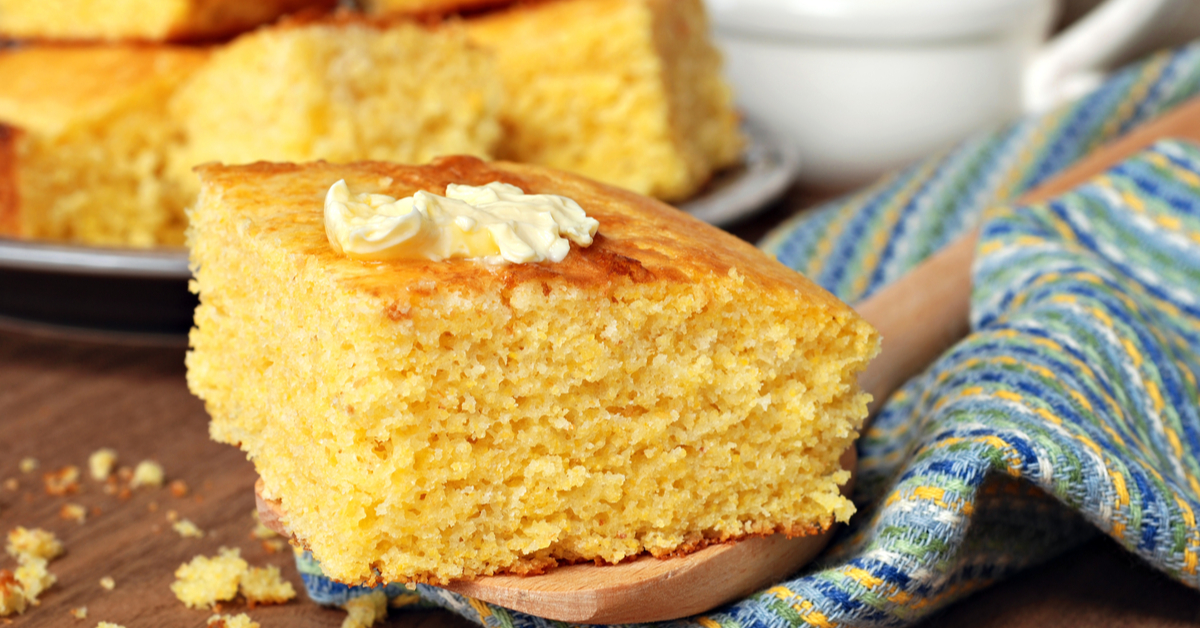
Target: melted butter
{"points": [[495, 223]]}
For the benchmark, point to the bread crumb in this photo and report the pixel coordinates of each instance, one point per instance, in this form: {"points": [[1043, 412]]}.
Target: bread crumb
{"points": [[241, 620], [205, 581], [73, 512], [187, 529], [107, 583], [266, 586], [62, 482], [178, 488], [33, 542], [28, 465], [105, 624], [79, 613], [147, 473], [365, 610], [12, 484], [261, 531], [101, 463], [34, 577], [12, 598]]}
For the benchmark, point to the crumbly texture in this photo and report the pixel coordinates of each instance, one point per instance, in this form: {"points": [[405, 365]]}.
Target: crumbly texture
{"points": [[340, 90], [187, 529], [147, 473], [73, 512], [628, 92], [265, 585], [365, 611], [86, 157], [12, 596], [667, 387], [241, 620], [34, 542], [33, 576], [101, 463], [205, 581], [147, 20]]}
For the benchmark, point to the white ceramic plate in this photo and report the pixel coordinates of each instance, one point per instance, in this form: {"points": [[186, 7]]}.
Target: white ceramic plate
{"points": [[141, 296]]}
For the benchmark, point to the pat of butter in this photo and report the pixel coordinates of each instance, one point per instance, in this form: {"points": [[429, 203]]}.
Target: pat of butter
{"points": [[496, 223]]}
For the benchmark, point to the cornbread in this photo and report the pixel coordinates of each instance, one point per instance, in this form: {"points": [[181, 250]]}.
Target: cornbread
{"points": [[101, 463], [427, 7], [205, 581], [265, 585], [366, 610], [34, 577], [147, 20], [34, 542], [147, 473], [341, 89], [241, 620], [12, 596], [666, 387], [85, 150], [628, 92]]}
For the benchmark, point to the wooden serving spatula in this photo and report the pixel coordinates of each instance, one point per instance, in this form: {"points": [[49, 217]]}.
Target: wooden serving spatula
{"points": [[919, 317]]}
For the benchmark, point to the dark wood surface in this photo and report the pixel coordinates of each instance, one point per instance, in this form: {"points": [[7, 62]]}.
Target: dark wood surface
{"points": [[62, 399]]}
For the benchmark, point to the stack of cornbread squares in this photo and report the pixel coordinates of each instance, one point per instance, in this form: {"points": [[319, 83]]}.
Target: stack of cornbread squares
{"points": [[106, 107]]}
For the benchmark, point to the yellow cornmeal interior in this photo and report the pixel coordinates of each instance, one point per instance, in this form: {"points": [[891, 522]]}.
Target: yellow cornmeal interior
{"points": [[476, 432], [95, 133], [339, 92], [628, 92]]}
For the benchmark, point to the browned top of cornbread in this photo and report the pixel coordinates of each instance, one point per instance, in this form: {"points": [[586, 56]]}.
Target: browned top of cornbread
{"points": [[10, 217], [639, 239], [46, 88]]}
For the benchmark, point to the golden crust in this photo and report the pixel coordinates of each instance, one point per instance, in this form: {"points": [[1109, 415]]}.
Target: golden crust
{"points": [[191, 20], [10, 197], [639, 239]]}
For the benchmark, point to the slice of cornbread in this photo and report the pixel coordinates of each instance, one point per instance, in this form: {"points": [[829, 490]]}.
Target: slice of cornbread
{"points": [[143, 20], [435, 7], [666, 387], [85, 153], [340, 89], [629, 92]]}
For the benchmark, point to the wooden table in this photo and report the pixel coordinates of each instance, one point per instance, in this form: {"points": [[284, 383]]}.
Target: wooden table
{"points": [[61, 400]]}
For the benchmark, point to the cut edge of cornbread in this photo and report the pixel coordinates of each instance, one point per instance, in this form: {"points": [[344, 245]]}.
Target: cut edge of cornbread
{"points": [[432, 422]]}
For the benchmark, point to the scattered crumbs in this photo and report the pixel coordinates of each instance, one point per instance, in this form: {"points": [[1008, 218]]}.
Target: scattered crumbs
{"points": [[105, 624], [62, 482], [101, 463], [272, 546], [178, 488], [205, 581], [12, 597], [79, 613], [33, 577], [147, 473], [153, 507], [365, 611], [107, 583], [33, 542], [241, 620], [261, 531], [187, 529], [12, 484], [73, 512], [266, 586], [28, 465]]}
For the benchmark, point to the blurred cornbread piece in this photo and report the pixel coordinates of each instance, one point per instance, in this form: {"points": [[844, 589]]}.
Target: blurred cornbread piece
{"points": [[341, 89], [419, 7], [667, 387], [85, 154], [142, 20], [628, 92]]}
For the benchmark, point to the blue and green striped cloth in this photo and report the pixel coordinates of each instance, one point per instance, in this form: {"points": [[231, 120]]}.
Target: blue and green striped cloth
{"points": [[1072, 407]]}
